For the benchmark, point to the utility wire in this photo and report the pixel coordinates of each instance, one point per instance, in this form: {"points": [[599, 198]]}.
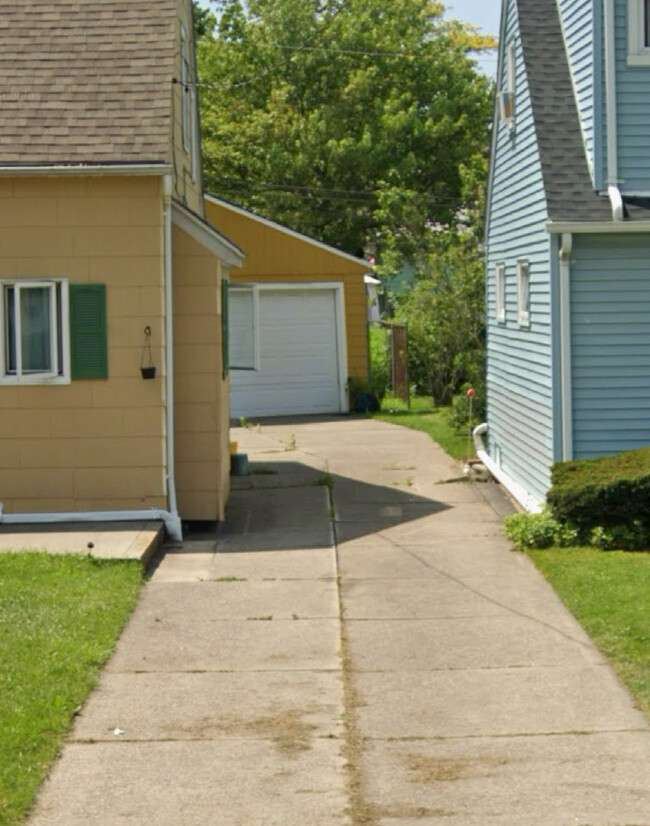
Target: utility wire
{"points": [[343, 7]]}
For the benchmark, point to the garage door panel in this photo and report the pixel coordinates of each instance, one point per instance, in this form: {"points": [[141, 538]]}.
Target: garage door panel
{"points": [[299, 359]]}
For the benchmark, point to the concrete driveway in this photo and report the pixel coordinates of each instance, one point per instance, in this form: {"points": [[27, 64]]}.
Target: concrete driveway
{"points": [[357, 645]]}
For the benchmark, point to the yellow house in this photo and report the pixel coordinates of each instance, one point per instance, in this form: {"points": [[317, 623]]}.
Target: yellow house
{"points": [[298, 318], [107, 266]]}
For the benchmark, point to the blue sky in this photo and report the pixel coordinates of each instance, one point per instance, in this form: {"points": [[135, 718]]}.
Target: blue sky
{"points": [[482, 13]]}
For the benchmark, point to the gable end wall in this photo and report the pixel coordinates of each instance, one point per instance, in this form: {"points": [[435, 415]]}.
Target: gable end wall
{"points": [[519, 360]]}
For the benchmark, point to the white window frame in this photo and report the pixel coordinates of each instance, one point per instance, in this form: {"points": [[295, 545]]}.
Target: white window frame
{"points": [[500, 287], [523, 293], [185, 87], [60, 345], [254, 290], [506, 94], [638, 46]]}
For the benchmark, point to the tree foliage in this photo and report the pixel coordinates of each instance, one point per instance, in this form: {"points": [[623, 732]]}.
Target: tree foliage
{"points": [[445, 317], [355, 121]]}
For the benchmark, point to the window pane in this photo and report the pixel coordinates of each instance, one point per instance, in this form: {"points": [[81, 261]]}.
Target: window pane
{"points": [[36, 329], [242, 329], [646, 23]]}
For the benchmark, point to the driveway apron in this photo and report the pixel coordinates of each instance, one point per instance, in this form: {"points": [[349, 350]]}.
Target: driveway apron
{"points": [[357, 645]]}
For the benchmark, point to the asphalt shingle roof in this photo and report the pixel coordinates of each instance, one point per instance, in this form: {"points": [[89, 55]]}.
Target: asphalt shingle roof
{"points": [[88, 81], [569, 189]]}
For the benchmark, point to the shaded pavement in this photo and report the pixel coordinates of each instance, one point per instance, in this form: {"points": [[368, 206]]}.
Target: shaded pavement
{"points": [[357, 645]]}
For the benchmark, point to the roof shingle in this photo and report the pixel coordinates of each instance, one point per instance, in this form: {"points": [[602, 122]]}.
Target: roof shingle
{"points": [[86, 82]]}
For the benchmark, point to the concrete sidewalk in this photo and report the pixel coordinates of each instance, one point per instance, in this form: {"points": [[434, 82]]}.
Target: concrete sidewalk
{"points": [[358, 645]]}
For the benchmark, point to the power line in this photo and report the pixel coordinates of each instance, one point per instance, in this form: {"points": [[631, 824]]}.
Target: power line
{"points": [[343, 7]]}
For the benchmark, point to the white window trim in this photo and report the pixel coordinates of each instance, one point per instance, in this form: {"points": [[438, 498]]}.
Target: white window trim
{"points": [[500, 286], [61, 374], [185, 90], [254, 289], [638, 53], [523, 306]]}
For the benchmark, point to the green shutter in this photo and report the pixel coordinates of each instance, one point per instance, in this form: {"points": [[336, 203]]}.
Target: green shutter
{"points": [[225, 328], [88, 339]]}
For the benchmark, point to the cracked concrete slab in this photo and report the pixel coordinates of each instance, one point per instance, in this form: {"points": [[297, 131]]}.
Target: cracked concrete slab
{"points": [[259, 643], [233, 599], [510, 781], [212, 706], [234, 782], [504, 641], [494, 702]]}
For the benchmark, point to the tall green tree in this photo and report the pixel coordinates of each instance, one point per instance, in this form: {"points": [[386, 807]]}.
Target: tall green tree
{"points": [[352, 120]]}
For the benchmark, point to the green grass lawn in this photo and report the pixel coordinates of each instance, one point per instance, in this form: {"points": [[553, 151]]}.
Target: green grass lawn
{"points": [[609, 593], [60, 617], [436, 421]]}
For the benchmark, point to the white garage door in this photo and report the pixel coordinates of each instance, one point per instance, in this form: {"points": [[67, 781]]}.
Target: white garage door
{"points": [[297, 352]]}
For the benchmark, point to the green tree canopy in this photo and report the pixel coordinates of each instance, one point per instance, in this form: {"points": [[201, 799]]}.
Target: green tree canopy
{"points": [[355, 121]]}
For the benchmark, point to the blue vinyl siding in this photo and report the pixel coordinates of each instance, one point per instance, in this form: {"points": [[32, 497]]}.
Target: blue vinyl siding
{"points": [[519, 360], [633, 114], [577, 18], [610, 318]]}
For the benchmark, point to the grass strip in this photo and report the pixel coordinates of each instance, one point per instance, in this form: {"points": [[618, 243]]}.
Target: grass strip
{"points": [[609, 594], [436, 421], [60, 617]]}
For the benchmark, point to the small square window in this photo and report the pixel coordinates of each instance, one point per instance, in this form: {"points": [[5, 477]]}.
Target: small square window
{"points": [[500, 286], [34, 327], [523, 293]]}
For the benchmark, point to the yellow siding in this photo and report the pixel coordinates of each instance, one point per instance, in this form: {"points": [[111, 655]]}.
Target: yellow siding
{"points": [[186, 188], [93, 444], [201, 394], [274, 256]]}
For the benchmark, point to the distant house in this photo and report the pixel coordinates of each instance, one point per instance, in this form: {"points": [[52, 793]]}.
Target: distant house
{"points": [[298, 318], [568, 238], [104, 249]]}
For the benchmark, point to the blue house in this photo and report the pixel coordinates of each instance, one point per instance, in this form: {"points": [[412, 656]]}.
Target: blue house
{"points": [[568, 239]]}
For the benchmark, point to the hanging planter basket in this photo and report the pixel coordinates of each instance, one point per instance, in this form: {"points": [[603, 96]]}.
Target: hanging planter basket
{"points": [[147, 367]]}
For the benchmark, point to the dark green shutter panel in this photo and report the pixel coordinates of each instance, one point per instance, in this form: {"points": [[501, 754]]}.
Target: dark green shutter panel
{"points": [[88, 340], [224, 327]]}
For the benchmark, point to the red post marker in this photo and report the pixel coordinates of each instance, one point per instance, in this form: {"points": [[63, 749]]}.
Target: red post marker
{"points": [[470, 392]]}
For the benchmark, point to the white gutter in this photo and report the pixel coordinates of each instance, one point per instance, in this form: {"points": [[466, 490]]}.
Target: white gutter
{"points": [[172, 523], [611, 112], [589, 228], [565, 346], [43, 170], [518, 491], [176, 532]]}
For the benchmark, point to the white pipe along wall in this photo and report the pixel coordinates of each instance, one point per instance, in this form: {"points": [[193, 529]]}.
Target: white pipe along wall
{"points": [[518, 491]]}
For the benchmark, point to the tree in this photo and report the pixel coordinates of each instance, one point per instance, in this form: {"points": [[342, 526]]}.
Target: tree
{"points": [[351, 120], [445, 317]]}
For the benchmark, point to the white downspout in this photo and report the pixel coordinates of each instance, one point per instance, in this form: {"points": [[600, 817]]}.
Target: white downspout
{"points": [[565, 346], [518, 491], [611, 112], [172, 504]]}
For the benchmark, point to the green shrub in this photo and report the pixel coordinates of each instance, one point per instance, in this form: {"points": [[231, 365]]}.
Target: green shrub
{"points": [[605, 492], [632, 537], [379, 380], [539, 530]]}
